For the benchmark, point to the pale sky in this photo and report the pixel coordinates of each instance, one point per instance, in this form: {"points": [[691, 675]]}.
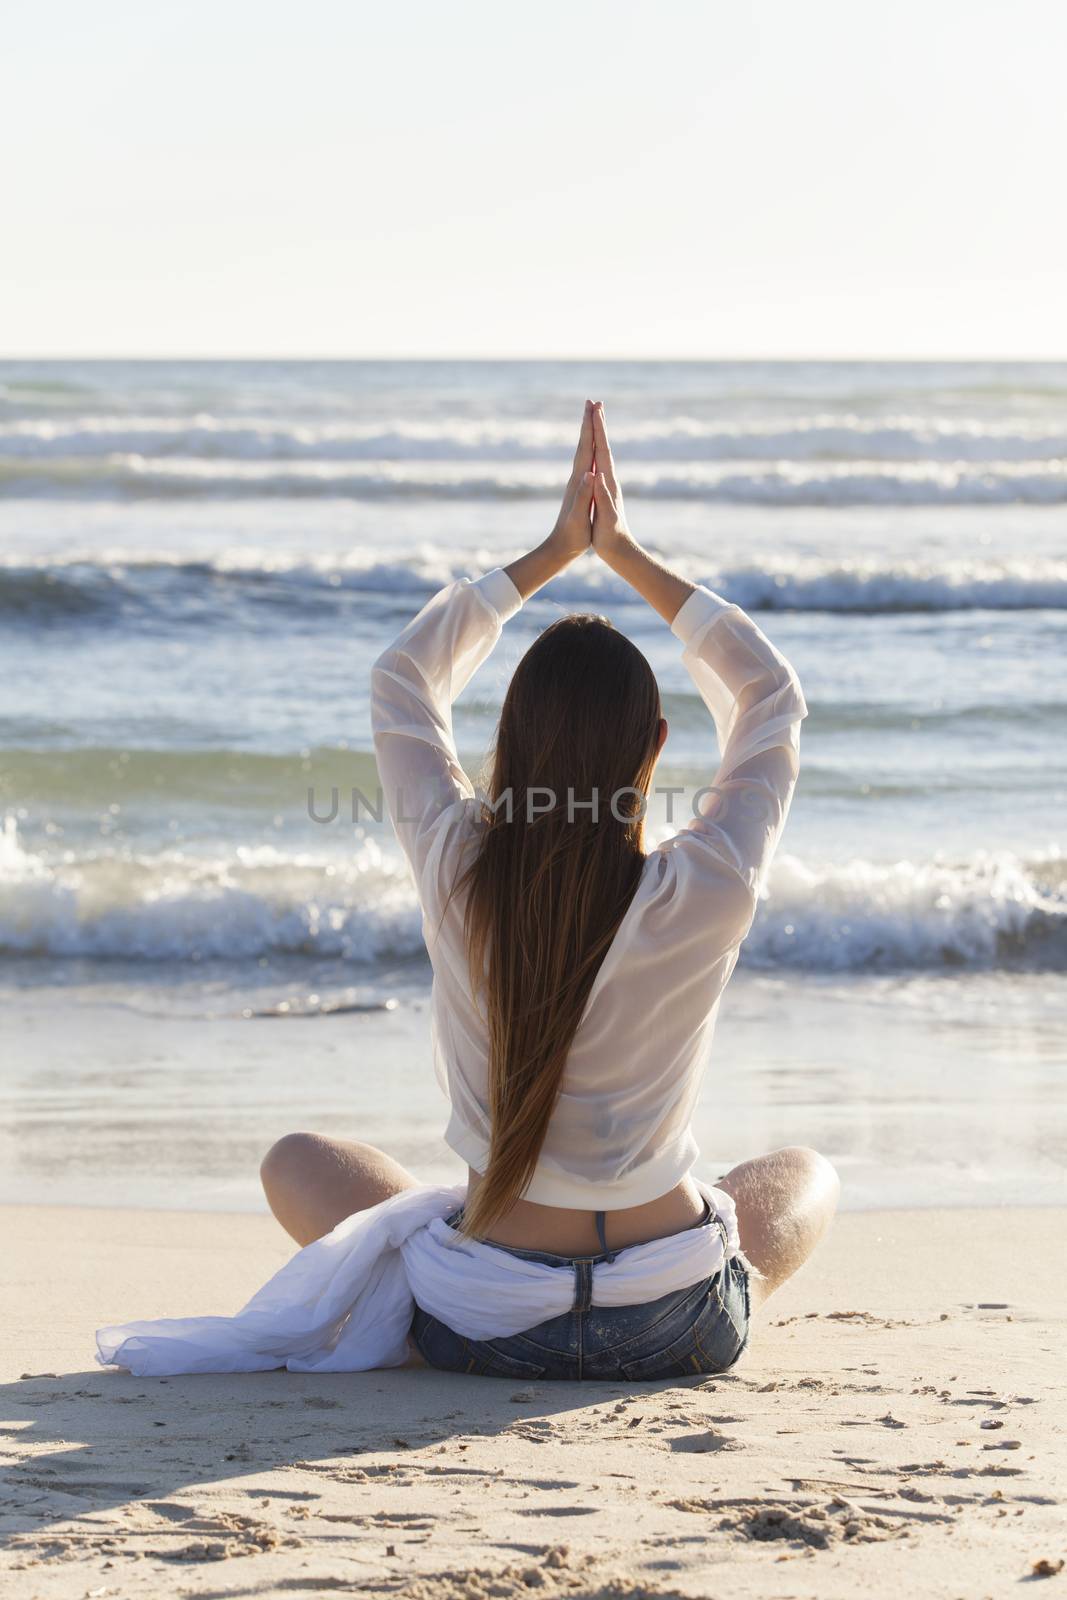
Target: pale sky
{"points": [[684, 178]]}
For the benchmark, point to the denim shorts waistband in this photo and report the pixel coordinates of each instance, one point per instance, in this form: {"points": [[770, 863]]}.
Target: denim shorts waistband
{"points": [[551, 1259]]}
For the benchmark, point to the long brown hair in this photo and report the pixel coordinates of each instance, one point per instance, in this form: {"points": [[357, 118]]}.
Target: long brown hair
{"points": [[549, 887]]}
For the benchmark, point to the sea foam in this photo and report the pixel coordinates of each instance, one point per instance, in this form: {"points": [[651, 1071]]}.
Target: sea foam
{"points": [[822, 436], [734, 482], [109, 580], [988, 910]]}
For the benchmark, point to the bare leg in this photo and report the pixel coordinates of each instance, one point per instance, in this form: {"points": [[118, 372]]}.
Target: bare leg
{"points": [[312, 1183], [785, 1203]]}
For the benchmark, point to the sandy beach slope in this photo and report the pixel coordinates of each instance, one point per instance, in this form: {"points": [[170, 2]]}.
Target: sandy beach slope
{"points": [[895, 1429]]}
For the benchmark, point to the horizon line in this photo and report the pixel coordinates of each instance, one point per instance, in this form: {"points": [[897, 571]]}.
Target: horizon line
{"points": [[570, 359]]}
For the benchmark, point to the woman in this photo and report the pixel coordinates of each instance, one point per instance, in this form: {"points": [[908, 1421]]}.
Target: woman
{"points": [[577, 977]]}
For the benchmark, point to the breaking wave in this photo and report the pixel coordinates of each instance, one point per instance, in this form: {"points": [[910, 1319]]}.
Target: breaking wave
{"points": [[991, 910], [114, 582], [820, 437], [784, 483]]}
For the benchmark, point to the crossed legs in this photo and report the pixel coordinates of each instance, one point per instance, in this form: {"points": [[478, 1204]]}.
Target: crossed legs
{"points": [[785, 1200]]}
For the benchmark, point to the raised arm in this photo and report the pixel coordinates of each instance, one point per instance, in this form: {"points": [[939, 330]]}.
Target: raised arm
{"points": [[754, 698], [416, 680], [413, 685]]}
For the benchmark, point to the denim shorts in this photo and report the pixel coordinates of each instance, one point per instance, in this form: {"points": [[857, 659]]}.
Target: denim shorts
{"points": [[701, 1329]]}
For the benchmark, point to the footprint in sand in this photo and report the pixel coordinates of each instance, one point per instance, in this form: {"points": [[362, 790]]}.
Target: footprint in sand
{"points": [[704, 1443]]}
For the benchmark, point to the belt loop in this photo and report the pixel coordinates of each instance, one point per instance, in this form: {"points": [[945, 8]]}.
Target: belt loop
{"points": [[724, 1230], [583, 1286]]}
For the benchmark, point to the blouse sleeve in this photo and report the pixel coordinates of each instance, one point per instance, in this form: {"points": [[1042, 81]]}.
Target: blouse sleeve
{"points": [[722, 855], [413, 685]]}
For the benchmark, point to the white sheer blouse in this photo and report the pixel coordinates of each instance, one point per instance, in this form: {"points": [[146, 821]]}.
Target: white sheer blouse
{"points": [[620, 1133]]}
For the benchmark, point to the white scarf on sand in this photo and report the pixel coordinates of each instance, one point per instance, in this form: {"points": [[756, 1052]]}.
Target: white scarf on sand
{"points": [[345, 1303]]}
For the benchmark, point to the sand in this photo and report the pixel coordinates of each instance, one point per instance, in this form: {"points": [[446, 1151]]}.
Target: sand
{"points": [[896, 1429]]}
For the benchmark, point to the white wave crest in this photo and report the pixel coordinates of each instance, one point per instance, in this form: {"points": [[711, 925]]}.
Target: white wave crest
{"points": [[175, 907], [789, 584], [988, 911], [786, 483], [991, 910], [819, 437]]}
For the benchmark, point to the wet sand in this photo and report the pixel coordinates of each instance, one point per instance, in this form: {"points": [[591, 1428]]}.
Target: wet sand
{"points": [[924, 1092]]}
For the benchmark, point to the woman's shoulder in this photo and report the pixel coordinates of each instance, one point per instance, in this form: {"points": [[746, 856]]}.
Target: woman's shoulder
{"points": [[687, 882]]}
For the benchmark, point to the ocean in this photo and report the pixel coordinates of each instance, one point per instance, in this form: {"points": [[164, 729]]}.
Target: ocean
{"points": [[198, 563]]}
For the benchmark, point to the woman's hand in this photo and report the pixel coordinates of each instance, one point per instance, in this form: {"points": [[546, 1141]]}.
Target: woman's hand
{"points": [[611, 536], [664, 590], [573, 532]]}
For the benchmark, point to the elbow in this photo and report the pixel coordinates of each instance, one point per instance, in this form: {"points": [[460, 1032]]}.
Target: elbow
{"points": [[789, 696], [397, 664], [774, 694], [382, 687], [794, 696], [383, 665], [800, 705]]}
